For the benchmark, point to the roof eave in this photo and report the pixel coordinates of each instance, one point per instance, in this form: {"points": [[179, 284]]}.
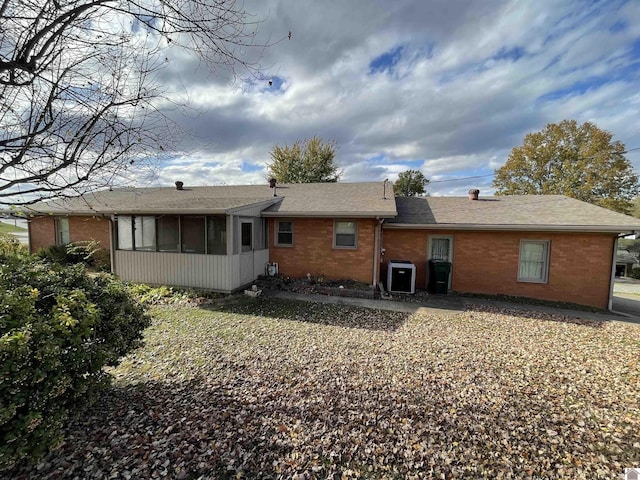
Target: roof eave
{"points": [[528, 228], [331, 214]]}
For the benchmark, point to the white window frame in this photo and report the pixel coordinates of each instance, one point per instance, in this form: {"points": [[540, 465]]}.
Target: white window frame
{"points": [[277, 239], [62, 231], [544, 278], [355, 234], [448, 259]]}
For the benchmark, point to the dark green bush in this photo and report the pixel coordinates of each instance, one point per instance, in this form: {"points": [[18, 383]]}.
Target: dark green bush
{"points": [[635, 273], [58, 329], [54, 253], [88, 253], [71, 253], [101, 260]]}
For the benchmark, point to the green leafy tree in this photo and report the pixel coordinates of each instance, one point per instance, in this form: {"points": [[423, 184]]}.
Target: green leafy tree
{"points": [[580, 161], [635, 207], [410, 183], [310, 161]]}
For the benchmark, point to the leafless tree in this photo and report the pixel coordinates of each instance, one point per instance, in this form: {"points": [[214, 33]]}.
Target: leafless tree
{"points": [[80, 97]]}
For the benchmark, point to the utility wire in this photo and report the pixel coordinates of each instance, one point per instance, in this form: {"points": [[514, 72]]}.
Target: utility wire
{"points": [[492, 174], [461, 178]]}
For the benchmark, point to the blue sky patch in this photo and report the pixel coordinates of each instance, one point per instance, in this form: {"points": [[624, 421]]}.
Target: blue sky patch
{"points": [[274, 84], [250, 167], [514, 54], [628, 73], [383, 160], [619, 26], [386, 61], [578, 88]]}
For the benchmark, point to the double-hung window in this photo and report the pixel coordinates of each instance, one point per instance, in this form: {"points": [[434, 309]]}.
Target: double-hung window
{"points": [[534, 261], [345, 234], [62, 230], [285, 233]]}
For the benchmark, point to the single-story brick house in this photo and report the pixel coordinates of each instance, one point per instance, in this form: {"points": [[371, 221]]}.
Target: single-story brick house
{"points": [[221, 238]]}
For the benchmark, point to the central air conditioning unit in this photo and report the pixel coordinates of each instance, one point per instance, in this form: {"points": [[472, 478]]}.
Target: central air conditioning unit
{"points": [[271, 269], [401, 276]]}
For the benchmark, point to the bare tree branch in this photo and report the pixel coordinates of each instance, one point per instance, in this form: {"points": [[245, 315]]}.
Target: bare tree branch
{"points": [[79, 84]]}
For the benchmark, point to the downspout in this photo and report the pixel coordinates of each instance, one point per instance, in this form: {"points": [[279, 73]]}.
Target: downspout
{"points": [[376, 250], [112, 243], [29, 235]]}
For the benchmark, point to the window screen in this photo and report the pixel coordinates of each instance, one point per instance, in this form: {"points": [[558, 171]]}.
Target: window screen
{"points": [[192, 229], [217, 235], [168, 233]]}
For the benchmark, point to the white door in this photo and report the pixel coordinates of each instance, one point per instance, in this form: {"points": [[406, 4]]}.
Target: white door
{"points": [[247, 275], [441, 248]]}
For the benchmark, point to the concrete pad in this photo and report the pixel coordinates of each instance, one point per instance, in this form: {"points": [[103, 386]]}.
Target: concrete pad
{"points": [[451, 304], [377, 304]]}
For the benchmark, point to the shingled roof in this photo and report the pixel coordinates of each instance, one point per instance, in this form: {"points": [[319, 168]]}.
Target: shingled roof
{"points": [[366, 199], [309, 199], [526, 212]]}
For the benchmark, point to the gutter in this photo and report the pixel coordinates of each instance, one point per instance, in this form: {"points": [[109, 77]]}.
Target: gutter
{"points": [[376, 215], [621, 229], [112, 243]]}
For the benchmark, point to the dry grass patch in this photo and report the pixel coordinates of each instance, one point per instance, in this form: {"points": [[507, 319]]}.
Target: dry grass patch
{"points": [[274, 389]]}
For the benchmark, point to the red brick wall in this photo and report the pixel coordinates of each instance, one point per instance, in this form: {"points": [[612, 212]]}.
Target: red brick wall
{"points": [[42, 231], [487, 262], [90, 228], [313, 251]]}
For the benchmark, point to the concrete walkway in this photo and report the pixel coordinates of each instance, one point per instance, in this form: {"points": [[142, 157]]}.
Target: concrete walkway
{"points": [[447, 304]]}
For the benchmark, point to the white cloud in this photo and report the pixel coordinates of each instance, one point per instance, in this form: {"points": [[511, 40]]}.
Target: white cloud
{"points": [[473, 79]]}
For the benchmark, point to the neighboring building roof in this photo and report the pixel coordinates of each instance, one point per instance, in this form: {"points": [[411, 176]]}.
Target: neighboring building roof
{"points": [[624, 256], [509, 212], [310, 199]]}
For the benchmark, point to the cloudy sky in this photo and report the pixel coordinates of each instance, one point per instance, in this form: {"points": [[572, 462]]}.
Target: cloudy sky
{"points": [[448, 87]]}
